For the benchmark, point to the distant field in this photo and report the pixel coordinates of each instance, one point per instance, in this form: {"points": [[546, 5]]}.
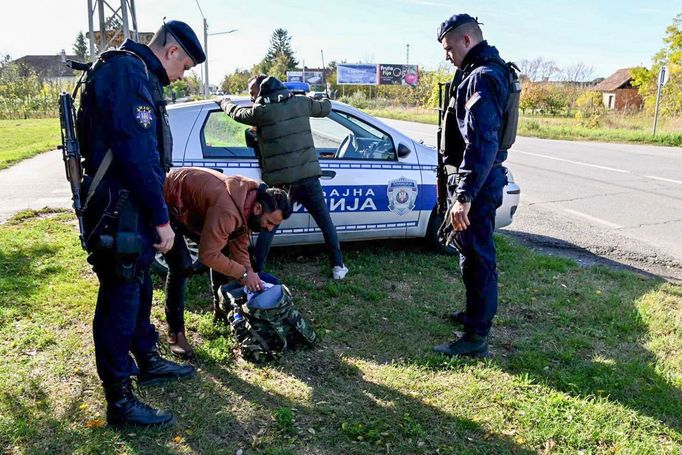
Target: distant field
{"points": [[615, 128], [21, 139]]}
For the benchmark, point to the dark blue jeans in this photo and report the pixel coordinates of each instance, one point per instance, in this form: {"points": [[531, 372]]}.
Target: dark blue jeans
{"points": [[477, 255], [179, 270], [308, 192]]}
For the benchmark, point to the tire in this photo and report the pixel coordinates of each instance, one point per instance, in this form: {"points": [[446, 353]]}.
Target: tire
{"points": [[160, 267], [432, 236]]}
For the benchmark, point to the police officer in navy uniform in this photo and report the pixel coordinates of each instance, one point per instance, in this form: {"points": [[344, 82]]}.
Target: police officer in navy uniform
{"points": [[126, 142], [474, 128]]}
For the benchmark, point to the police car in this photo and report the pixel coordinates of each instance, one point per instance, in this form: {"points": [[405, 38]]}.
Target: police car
{"points": [[378, 182]]}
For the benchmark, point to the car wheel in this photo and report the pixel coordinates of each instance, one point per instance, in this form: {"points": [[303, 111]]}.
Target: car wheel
{"points": [[161, 267], [432, 236]]}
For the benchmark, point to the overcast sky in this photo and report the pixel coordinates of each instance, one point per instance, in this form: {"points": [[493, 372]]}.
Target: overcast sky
{"points": [[604, 34]]}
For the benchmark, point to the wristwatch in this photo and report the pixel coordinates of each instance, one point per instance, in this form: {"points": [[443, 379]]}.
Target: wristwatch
{"points": [[463, 198], [246, 273]]}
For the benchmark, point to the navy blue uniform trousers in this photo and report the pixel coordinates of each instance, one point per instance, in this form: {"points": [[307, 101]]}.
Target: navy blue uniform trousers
{"points": [[122, 318], [477, 255]]}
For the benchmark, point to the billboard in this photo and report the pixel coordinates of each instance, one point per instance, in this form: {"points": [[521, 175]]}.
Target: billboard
{"points": [[357, 74], [311, 77], [398, 74]]}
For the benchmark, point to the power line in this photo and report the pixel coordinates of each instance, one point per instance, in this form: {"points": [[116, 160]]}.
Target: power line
{"points": [[199, 6]]}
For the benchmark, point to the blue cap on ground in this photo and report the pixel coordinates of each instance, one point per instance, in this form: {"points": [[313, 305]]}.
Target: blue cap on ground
{"points": [[187, 39], [452, 23]]}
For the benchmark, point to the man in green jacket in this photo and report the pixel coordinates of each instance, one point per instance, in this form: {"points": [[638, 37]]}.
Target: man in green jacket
{"points": [[288, 157]]}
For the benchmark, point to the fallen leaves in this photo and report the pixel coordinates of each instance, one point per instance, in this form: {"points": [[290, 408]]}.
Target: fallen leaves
{"points": [[97, 422]]}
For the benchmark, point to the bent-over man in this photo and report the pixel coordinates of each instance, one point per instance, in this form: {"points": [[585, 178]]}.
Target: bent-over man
{"points": [[218, 213]]}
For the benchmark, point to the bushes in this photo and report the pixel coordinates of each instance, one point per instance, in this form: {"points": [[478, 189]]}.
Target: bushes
{"points": [[23, 95], [590, 109]]}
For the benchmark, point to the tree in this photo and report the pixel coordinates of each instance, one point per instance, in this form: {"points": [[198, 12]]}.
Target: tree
{"points": [[236, 82], [280, 51], [80, 48], [646, 80], [538, 69]]}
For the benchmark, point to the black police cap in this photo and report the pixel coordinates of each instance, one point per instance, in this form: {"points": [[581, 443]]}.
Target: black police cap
{"points": [[452, 23], [187, 39]]}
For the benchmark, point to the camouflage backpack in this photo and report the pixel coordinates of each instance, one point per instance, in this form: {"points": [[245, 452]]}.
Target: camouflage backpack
{"points": [[268, 324]]}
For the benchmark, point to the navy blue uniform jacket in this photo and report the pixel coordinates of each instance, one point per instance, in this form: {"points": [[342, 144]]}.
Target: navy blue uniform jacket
{"points": [[126, 121], [482, 97]]}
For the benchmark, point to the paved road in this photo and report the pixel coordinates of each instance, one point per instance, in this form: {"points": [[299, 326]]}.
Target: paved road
{"points": [[35, 183], [619, 201]]}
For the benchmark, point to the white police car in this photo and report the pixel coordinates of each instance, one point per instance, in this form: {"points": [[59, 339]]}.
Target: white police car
{"points": [[378, 182]]}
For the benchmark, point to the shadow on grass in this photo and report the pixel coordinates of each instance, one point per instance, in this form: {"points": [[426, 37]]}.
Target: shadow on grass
{"points": [[25, 271], [576, 330], [347, 414]]}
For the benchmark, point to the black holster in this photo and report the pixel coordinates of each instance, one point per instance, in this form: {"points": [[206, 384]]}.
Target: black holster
{"points": [[117, 238]]}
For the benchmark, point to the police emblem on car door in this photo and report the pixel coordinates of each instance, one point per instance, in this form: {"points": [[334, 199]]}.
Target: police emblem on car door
{"points": [[402, 195]]}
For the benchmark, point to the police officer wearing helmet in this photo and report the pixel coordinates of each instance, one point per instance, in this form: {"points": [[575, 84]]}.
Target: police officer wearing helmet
{"points": [[480, 125], [126, 142]]}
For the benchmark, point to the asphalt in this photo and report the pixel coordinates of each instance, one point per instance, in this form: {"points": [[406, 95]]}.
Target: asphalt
{"points": [[616, 204]]}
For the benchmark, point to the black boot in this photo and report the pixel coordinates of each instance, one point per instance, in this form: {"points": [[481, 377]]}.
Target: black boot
{"points": [[468, 344], [123, 408], [155, 369]]}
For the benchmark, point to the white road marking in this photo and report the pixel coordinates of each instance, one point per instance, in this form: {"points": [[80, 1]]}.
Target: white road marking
{"points": [[663, 179], [580, 163], [593, 219]]}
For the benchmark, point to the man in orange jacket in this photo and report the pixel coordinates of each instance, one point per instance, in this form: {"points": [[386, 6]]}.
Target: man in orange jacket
{"points": [[219, 213]]}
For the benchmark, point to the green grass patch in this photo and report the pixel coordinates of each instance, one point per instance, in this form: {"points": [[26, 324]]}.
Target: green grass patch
{"points": [[584, 359], [21, 139], [622, 129]]}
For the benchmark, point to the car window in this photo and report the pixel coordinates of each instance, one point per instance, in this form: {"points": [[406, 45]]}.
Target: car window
{"points": [[222, 137], [342, 136]]}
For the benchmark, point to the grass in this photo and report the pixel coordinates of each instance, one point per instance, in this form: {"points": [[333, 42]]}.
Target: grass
{"points": [[585, 360], [21, 139], [616, 127]]}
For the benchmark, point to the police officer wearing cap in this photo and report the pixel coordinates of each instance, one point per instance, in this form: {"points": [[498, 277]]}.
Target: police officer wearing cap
{"points": [[126, 142], [479, 127]]}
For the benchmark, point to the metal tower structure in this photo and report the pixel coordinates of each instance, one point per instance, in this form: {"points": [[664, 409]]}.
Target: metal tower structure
{"points": [[106, 10]]}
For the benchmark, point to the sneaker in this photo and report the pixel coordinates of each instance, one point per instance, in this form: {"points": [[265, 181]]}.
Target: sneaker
{"points": [[339, 272]]}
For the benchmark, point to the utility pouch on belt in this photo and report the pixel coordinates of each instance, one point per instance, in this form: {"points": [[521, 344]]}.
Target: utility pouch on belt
{"points": [[117, 234]]}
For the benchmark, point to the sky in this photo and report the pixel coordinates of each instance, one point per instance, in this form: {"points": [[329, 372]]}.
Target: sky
{"points": [[604, 34]]}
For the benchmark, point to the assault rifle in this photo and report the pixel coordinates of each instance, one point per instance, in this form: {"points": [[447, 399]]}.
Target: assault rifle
{"points": [[72, 156], [441, 172]]}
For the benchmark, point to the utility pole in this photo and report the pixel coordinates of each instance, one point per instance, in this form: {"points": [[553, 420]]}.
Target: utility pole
{"points": [[206, 83], [206, 35], [408, 54], [125, 13]]}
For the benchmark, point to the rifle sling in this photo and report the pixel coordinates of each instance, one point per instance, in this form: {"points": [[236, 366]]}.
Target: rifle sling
{"points": [[99, 175]]}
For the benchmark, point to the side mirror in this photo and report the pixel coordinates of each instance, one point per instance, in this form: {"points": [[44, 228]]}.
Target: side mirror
{"points": [[403, 151]]}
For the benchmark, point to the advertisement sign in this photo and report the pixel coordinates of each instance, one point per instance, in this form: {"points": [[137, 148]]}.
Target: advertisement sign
{"points": [[398, 74], [311, 77], [357, 74]]}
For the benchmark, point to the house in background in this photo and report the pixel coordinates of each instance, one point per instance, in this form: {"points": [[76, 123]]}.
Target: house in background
{"points": [[51, 68], [618, 93]]}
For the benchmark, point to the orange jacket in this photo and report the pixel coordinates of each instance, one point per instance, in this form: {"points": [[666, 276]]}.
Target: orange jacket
{"points": [[215, 208]]}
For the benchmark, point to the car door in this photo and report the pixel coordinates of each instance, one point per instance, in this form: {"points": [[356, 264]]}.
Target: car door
{"points": [[370, 192], [223, 147]]}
